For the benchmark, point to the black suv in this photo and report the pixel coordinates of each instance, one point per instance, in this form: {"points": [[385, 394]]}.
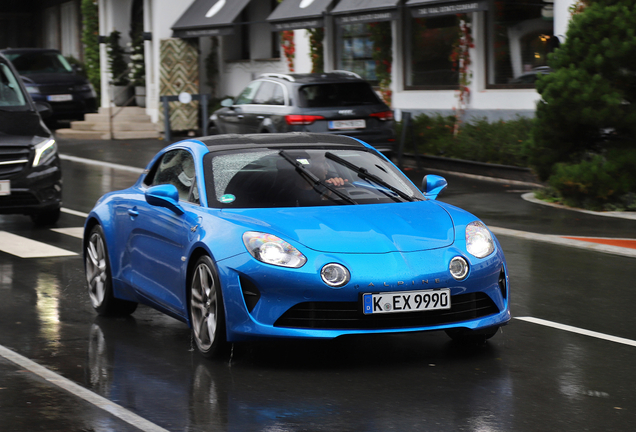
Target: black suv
{"points": [[50, 78], [339, 102], [30, 173]]}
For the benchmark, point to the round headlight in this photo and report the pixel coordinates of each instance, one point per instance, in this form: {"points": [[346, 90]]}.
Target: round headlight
{"points": [[478, 240], [270, 249], [458, 268], [335, 275]]}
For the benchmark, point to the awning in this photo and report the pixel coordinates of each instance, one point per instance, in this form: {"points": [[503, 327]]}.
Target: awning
{"points": [[209, 18], [361, 11], [431, 8], [299, 14]]}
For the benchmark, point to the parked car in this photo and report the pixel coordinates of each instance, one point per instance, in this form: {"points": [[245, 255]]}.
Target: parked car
{"points": [[338, 103], [30, 172], [531, 76], [50, 78], [292, 235]]}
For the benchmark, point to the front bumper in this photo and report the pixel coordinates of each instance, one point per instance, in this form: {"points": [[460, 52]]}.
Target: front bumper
{"points": [[264, 301], [34, 190]]}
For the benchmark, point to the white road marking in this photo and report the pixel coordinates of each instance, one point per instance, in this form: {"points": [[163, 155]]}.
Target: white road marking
{"points": [[27, 248], [577, 330], [77, 232], [555, 239], [74, 212], [81, 392], [102, 164]]}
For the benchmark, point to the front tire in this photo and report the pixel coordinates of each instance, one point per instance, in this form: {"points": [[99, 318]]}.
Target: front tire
{"points": [[99, 277], [207, 313]]}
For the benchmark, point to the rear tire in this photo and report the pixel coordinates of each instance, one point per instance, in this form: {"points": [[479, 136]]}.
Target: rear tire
{"points": [[99, 277], [207, 313]]}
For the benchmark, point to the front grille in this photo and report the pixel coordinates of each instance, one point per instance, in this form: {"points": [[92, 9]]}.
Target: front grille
{"points": [[13, 159], [348, 315]]}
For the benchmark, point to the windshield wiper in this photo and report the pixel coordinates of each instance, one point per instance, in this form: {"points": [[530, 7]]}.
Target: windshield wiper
{"points": [[364, 174], [316, 181]]}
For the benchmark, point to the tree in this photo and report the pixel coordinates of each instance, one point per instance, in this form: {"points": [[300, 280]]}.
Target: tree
{"points": [[592, 89]]}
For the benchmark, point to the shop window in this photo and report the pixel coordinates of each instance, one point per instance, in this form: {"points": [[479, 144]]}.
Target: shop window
{"points": [[429, 49], [520, 37], [360, 48]]}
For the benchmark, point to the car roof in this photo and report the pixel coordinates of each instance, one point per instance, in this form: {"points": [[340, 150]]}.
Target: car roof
{"points": [[315, 78], [27, 50], [217, 143]]}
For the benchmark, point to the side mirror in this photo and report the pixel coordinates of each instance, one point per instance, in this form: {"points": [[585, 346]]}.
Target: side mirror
{"points": [[165, 195], [227, 102], [432, 185], [44, 109]]}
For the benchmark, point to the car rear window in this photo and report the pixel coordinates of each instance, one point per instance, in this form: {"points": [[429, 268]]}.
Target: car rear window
{"points": [[270, 178], [337, 94], [39, 62]]}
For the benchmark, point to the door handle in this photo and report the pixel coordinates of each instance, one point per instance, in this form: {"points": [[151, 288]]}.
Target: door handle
{"points": [[240, 116], [260, 117], [133, 212]]}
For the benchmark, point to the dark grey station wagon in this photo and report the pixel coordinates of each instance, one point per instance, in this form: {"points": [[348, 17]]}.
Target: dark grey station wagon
{"points": [[338, 102]]}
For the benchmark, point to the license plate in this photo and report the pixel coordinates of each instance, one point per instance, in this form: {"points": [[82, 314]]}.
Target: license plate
{"points": [[5, 187], [60, 98], [406, 301], [347, 124]]}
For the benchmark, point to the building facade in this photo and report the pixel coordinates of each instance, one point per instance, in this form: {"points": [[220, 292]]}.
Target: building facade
{"points": [[424, 55]]}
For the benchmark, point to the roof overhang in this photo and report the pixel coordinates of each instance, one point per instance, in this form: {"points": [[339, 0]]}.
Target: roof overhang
{"points": [[362, 11], [432, 8], [299, 14], [209, 18]]}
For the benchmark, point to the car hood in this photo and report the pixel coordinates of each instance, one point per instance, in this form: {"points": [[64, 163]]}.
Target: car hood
{"points": [[20, 123], [53, 78], [380, 228]]}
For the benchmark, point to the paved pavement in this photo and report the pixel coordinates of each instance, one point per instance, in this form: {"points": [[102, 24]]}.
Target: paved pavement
{"points": [[498, 202]]}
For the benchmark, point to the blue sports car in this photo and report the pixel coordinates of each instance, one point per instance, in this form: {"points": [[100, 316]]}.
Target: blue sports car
{"points": [[292, 236]]}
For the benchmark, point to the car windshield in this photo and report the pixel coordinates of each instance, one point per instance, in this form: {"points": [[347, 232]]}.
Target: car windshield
{"points": [[39, 62], [336, 94], [305, 177], [11, 96]]}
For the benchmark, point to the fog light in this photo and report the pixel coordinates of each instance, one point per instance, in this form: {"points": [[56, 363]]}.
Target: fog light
{"points": [[335, 275], [458, 268]]}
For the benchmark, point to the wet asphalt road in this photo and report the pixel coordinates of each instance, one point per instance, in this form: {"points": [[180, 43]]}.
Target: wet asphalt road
{"points": [[530, 377]]}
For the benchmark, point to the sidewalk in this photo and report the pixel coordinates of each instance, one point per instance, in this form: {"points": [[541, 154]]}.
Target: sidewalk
{"points": [[506, 205]]}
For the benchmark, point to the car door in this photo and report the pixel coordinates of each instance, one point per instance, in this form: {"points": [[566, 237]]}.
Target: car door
{"points": [[233, 117], [160, 236], [268, 101]]}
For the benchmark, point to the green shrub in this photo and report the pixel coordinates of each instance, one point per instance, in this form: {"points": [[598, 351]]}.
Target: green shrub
{"points": [[90, 34], [478, 140], [599, 182]]}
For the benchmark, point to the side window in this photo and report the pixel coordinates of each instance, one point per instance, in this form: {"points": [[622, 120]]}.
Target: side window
{"points": [[10, 92], [247, 95], [270, 94], [176, 168]]}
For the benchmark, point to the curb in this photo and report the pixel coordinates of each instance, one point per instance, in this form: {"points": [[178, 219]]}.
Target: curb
{"points": [[622, 215]]}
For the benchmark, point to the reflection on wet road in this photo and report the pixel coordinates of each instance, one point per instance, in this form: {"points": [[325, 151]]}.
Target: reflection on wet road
{"points": [[529, 377]]}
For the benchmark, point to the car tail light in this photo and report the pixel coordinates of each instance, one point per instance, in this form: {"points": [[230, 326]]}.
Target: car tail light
{"points": [[297, 119], [383, 116]]}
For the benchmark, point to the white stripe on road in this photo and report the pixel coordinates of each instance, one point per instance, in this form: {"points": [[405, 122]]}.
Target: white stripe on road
{"points": [[79, 391], [27, 248], [558, 240], [74, 212], [577, 330], [102, 164], [77, 232]]}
